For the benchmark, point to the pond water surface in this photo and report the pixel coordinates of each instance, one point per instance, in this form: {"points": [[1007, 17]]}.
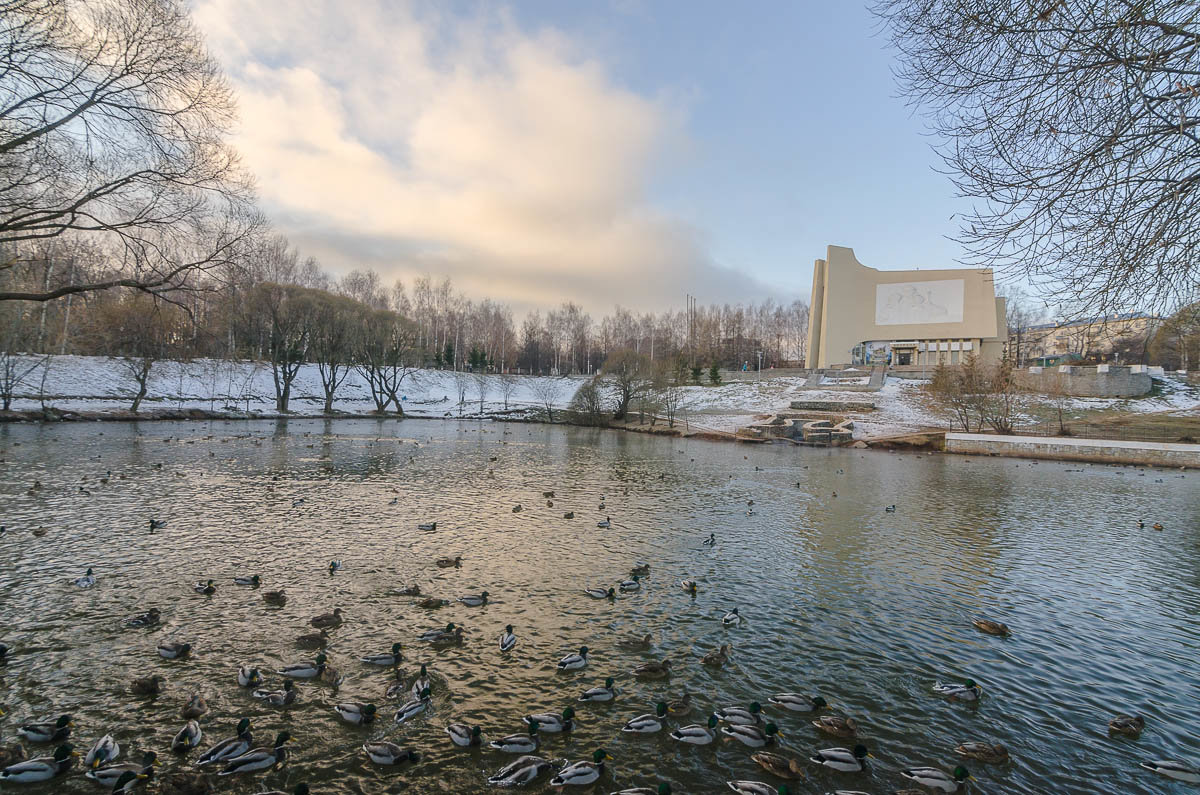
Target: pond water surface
{"points": [[840, 597]]}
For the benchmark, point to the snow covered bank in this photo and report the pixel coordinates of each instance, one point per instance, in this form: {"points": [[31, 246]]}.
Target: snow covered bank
{"points": [[98, 384]]}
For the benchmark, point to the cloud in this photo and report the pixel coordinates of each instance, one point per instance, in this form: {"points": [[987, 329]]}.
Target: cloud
{"points": [[410, 141]]}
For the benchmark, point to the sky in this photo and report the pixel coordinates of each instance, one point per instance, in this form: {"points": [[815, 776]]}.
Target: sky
{"points": [[610, 152]]}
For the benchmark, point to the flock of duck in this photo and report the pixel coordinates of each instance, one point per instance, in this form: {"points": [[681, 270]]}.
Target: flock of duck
{"points": [[236, 755]]}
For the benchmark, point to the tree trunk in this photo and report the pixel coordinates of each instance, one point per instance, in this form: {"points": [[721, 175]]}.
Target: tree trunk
{"points": [[142, 376]]}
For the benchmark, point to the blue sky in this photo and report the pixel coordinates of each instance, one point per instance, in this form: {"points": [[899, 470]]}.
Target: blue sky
{"points": [[800, 137], [608, 152]]}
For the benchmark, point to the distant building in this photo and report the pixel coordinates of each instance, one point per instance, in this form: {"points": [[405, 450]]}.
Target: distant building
{"points": [[920, 317], [1111, 338]]}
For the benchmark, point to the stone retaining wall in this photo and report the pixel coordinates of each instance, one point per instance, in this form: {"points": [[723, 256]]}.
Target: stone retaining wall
{"points": [[1106, 451], [1105, 380]]}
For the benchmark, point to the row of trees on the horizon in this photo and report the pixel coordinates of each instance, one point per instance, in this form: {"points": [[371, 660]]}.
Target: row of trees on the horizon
{"points": [[229, 314]]}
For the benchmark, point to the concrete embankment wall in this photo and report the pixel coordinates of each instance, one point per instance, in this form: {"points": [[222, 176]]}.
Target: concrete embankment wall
{"points": [[1103, 381], [1105, 451]]}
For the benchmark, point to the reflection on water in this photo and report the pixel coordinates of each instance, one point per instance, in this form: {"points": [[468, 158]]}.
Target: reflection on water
{"points": [[841, 598]]}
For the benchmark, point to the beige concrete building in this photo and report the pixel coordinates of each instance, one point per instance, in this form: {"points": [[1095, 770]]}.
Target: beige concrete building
{"points": [[1115, 337], [920, 317]]}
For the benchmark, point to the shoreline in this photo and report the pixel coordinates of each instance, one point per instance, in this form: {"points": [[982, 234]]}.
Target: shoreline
{"points": [[1117, 452]]}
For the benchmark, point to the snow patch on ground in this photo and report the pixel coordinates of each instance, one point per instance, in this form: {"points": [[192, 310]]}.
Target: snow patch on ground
{"points": [[91, 383]]}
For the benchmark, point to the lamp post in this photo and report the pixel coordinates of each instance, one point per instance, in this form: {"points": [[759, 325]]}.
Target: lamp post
{"points": [[760, 365]]}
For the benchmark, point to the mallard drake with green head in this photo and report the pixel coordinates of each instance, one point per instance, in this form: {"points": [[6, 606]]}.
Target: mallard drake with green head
{"points": [[932, 778], [230, 747], [519, 743], [43, 768], [649, 723], [581, 774], [259, 758], [552, 723], [697, 734]]}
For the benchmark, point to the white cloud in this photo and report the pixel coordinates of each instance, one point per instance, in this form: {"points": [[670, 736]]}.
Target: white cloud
{"points": [[412, 142]]}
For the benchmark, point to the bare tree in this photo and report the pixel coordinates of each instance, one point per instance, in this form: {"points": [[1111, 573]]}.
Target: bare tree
{"points": [[1021, 314], [548, 390], [998, 403], [387, 354], [956, 389], [15, 366], [1176, 343], [139, 330], [288, 312], [1077, 127], [669, 381], [462, 382], [508, 385], [335, 322], [587, 404], [631, 375], [113, 123], [482, 387]]}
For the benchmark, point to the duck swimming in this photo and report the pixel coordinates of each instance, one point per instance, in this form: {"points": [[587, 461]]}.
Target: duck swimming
{"points": [[508, 639], [984, 752], [653, 670], [1129, 725], [472, 600], [739, 716], [522, 771], [249, 677], [385, 753], [753, 736], [147, 619], [551, 722], [358, 714], [110, 774], [394, 657], [573, 662], [697, 734], [327, 620], [717, 657], [464, 736], [777, 765], [47, 732], [413, 708], [843, 760], [968, 691], [259, 758], [43, 768], [304, 670], [187, 738], [650, 723], [798, 702], [581, 774], [230, 747], [606, 693], [174, 651], [279, 698], [933, 778], [519, 743], [103, 752]]}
